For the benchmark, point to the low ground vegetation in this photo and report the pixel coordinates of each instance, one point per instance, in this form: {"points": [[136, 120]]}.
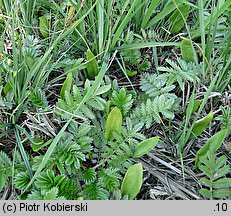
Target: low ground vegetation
{"points": [[115, 99]]}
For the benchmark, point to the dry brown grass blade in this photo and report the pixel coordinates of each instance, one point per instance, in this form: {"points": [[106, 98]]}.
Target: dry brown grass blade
{"points": [[8, 193], [178, 188], [164, 163]]}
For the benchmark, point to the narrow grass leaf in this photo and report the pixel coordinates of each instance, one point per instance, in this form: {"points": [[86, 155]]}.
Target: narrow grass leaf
{"points": [[176, 20], [23, 152], [162, 15], [149, 12]]}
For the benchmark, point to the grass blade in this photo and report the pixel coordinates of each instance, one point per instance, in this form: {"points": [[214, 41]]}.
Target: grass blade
{"points": [[134, 46], [123, 24], [100, 11], [166, 11], [149, 12], [23, 152]]}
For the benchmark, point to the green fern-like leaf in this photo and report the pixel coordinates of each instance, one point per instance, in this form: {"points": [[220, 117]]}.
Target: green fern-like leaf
{"points": [[21, 180], [131, 133], [38, 98], [122, 100], [67, 157], [217, 185], [151, 111], [225, 118], [51, 194], [110, 179], [69, 154], [67, 188], [31, 47], [132, 57], [94, 192], [71, 101], [118, 155], [89, 176], [154, 85], [180, 72], [81, 135], [5, 169], [47, 179]]}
